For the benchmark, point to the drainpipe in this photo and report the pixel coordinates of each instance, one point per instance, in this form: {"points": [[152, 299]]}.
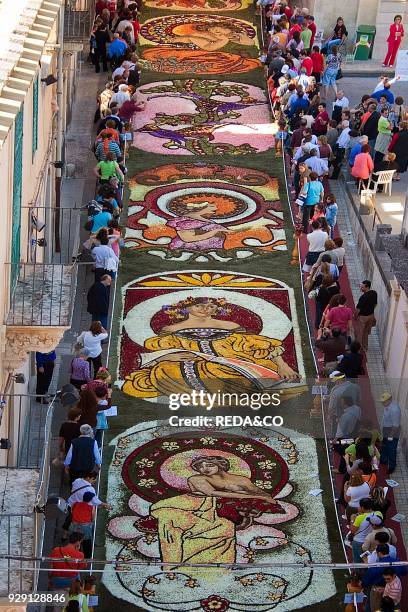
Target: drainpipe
{"points": [[60, 124]]}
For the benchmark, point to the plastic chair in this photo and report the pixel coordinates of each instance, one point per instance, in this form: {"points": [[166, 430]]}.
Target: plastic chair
{"points": [[383, 178], [318, 40]]}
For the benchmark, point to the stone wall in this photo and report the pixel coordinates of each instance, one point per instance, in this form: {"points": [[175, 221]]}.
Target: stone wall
{"points": [[376, 266], [387, 9]]}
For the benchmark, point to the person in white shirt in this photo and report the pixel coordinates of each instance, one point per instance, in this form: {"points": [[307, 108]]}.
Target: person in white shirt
{"points": [[306, 147], [121, 96], [106, 260], [383, 80], [339, 103], [84, 485], [122, 68], [344, 138], [303, 79], [316, 164], [354, 491], [92, 340], [316, 240]]}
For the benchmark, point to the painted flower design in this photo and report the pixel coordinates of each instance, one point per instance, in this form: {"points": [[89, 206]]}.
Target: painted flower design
{"points": [[191, 583], [274, 597], [145, 462], [123, 442], [245, 448], [215, 603], [147, 592], [263, 484], [147, 482], [170, 446], [208, 441], [245, 581], [261, 542], [267, 465]]}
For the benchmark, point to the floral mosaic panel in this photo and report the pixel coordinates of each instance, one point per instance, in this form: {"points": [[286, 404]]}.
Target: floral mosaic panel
{"points": [[210, 496], [182, 212]]}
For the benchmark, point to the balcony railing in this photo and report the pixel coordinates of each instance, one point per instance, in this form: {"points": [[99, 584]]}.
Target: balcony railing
{"points": [[24, 423], [53, 234], [78, 20], [43, 294]]}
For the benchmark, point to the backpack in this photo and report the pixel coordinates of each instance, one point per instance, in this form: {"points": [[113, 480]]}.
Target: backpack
{"points": [[94, 207]]}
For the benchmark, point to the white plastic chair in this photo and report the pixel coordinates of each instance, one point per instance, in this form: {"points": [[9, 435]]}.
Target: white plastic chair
{"points": [[318, 40], [383, 178]]}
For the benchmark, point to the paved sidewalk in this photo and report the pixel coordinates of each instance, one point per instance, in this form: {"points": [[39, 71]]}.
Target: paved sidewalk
{"points": [[75, 192], [378, 379]]}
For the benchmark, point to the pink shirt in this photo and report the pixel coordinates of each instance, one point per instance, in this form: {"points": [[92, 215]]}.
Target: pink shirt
{"points": [[339, 317], [393, 590]]}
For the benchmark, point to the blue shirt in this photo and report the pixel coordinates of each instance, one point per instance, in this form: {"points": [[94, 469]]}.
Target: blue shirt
{"points": [[114, 202], [314, 191], [331, 214], [392, 416], [299, 103], [383, 92], [101, 220], [117, 48], [354, 152], [374, 575], [42, 358]]}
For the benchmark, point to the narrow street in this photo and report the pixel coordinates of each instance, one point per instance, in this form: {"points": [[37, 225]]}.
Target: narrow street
{"points": [[207, 300]]}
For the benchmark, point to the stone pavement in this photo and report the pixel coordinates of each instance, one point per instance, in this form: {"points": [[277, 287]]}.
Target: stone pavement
{"points": [[378, 379], [390, 209], [75, 192]]}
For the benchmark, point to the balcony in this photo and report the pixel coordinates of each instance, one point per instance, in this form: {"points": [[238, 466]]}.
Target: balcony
{"points": [[41, 307], [24, 467], [78, 20]]}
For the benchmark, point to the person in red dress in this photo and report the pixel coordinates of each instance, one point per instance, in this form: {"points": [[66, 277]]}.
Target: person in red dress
{"points": [[394, 40], [312, 26]]}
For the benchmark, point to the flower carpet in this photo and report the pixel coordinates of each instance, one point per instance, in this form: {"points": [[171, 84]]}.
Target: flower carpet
{"points": [[208, 301]]}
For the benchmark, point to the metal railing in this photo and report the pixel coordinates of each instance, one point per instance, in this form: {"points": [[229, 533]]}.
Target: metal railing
{"points": [[24, 430], [43, 295], [53, 234], [28, 424], [19, 540], [78, 19]]}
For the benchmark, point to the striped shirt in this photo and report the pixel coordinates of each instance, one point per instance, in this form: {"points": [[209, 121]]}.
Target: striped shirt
{"points": [[393, 590], [113, 148]]}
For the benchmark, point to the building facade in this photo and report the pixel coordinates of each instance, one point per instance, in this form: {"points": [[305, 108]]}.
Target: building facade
{"points": [[378, 13]]}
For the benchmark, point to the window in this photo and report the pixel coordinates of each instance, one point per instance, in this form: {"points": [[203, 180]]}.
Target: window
{"points": [[17, 194], [35, 114]]}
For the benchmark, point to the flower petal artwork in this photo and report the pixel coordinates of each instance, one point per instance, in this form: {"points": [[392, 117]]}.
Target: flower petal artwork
{"points": [[233, 340], [199, 5], [225, 214], [180, 61], [204, 32], [203, 117], [181, 526]]}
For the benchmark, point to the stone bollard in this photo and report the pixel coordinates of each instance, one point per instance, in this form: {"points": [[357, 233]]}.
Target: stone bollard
{"points": [[382, 229]]}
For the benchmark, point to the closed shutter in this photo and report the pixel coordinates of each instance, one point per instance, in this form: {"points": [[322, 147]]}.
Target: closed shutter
{"points": [[35, 115], [17, 194]]}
